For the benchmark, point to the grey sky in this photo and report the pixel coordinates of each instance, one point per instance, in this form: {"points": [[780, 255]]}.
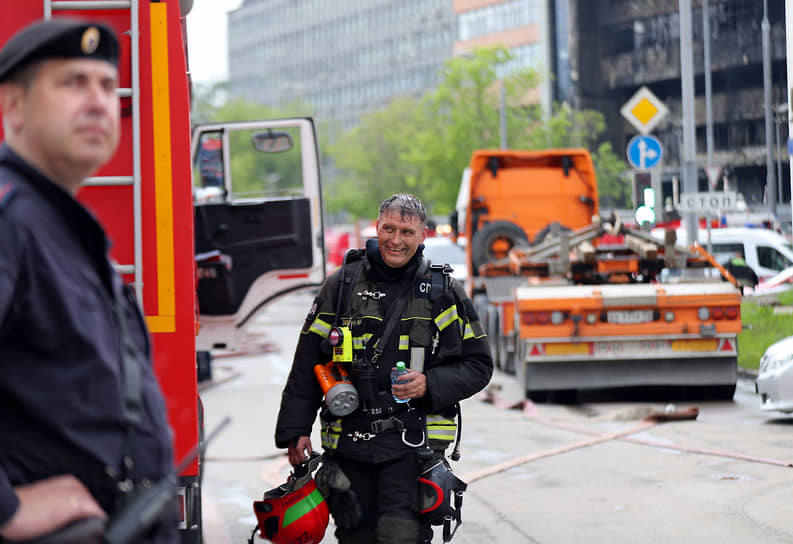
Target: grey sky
{"points": [[206, 39]]}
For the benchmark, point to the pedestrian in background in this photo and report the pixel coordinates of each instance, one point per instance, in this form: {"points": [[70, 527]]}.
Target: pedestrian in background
{"points": [[83, 419]]}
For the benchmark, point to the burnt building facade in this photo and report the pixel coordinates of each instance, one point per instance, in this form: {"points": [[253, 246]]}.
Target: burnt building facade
{"points": [[614, 47]]}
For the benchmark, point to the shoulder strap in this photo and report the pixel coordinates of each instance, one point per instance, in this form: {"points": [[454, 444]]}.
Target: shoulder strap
{"points": [[347, 278], [394, 313], [440, 280], [391, 319]]}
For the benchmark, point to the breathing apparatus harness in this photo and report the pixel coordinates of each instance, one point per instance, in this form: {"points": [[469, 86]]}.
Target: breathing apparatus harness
{"points": [[365, 369]]}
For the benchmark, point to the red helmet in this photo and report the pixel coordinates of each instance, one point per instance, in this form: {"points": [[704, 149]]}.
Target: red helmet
{"points": [[294, 512]]}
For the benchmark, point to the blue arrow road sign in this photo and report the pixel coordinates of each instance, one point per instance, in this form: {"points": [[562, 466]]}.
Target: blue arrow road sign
{"points": [[644, 151]]}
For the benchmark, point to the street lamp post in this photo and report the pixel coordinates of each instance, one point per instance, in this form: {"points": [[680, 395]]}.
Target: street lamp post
{"points": [[708, 87], [769, 164], [688, 165], [780, 117]]}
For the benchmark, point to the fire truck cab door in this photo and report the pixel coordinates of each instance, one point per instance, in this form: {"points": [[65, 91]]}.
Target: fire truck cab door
{"points": [[258, 220]]}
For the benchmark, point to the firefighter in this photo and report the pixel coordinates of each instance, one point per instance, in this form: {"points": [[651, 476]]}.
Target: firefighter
{"points": [[370, 468], [84, 420]]}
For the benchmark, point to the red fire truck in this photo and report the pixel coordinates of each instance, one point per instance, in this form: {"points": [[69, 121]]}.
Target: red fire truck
{"points": [[223, 220]]}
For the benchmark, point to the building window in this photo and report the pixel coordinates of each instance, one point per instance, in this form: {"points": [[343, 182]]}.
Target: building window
{"points": [[498, 18]]}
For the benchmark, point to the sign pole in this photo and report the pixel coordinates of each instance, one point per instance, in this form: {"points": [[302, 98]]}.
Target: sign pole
{"points": [[770, 182], [789, 39], [708, 89], [655, 183], [688, 161]]}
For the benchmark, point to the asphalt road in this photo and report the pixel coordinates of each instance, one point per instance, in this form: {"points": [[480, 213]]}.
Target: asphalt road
{"points": [[592, 472]]}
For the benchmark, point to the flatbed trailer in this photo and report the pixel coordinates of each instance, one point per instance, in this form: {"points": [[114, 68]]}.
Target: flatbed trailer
{"points": [[574, 314]]}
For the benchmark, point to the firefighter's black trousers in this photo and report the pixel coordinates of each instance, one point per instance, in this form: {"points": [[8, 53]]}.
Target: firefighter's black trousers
{"points": [[386, 492]]}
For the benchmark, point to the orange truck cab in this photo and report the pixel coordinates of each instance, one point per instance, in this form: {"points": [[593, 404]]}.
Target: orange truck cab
{"points": [[513, 197]]}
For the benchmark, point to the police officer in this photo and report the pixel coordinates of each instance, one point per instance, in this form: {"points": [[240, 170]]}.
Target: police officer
{"points": [[370, 465], [83, 418]]}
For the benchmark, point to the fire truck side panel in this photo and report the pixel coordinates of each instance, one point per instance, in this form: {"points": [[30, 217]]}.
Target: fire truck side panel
{"points": [[166, 206], [23, 14]]}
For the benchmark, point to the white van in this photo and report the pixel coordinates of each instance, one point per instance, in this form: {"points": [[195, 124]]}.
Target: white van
{"points": [[765, 251]]}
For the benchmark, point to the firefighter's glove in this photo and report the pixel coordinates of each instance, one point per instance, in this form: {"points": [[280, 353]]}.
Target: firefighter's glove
{"points": [[330, 478], [342, 500]]}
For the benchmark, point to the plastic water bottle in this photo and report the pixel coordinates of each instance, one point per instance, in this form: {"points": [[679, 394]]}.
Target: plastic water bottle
{"points": [[395, 374]]}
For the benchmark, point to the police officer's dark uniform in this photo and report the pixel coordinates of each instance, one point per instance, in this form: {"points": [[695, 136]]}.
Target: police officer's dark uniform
{"points": [[62, 312], [442, 333]]}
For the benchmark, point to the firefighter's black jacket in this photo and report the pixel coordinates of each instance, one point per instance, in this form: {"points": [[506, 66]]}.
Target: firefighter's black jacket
{"points": [[456, 356]]}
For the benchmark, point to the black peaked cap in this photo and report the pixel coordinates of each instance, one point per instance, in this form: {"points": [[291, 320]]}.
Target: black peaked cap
{"points": [[58, 38]]}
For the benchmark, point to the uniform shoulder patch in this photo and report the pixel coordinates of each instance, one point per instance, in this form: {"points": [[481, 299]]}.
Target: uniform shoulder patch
{"points": [[312, 314], [7, 190]]}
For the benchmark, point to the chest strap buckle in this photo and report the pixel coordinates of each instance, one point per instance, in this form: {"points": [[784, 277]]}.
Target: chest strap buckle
{"points": [[382, 425]]}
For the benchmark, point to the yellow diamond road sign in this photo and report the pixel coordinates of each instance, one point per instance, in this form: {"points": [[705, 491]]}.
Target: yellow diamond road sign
{"points": [[644, 110]]}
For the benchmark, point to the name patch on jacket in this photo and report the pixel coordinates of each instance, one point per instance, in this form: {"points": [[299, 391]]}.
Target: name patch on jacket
{"points": [[423, 289]]}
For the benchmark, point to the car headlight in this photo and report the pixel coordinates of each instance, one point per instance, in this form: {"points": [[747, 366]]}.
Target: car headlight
{"points": [[769, 363]]}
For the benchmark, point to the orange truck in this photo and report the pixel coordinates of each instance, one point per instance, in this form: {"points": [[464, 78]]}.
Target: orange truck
{"points": [[573, 301], [207, 226]]}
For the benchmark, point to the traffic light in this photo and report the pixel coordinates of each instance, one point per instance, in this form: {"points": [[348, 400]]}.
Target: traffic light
{"points": [[643, 198]]}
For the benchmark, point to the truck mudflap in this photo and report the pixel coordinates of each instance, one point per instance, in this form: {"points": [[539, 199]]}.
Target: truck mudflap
{"points": [[606, 363]]}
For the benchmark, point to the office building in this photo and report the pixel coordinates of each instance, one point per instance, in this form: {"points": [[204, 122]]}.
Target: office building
{"points": [[342, 58]]}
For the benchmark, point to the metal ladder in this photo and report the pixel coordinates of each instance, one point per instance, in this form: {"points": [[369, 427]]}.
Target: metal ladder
{"points": [[133, 93]]}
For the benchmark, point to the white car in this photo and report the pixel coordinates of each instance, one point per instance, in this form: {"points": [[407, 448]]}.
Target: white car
{"points": [[775, 377], [440, 250]]}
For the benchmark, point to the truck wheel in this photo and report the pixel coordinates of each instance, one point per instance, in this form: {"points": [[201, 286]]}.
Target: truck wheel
{"points": [[544, 232], [506, 357], [717, 392], [494, 240], [553, 396], [493, 335], [724, 392]]}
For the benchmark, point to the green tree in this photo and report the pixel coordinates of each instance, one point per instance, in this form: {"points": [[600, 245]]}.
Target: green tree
{"points": [[207, 98], [568, 128], [424, 146], [463, 114], [369, 160], [614, 187]]}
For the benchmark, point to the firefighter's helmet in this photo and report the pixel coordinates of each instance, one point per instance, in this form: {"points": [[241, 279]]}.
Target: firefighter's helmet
{"points": [[440, 497], [295, 511]]}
